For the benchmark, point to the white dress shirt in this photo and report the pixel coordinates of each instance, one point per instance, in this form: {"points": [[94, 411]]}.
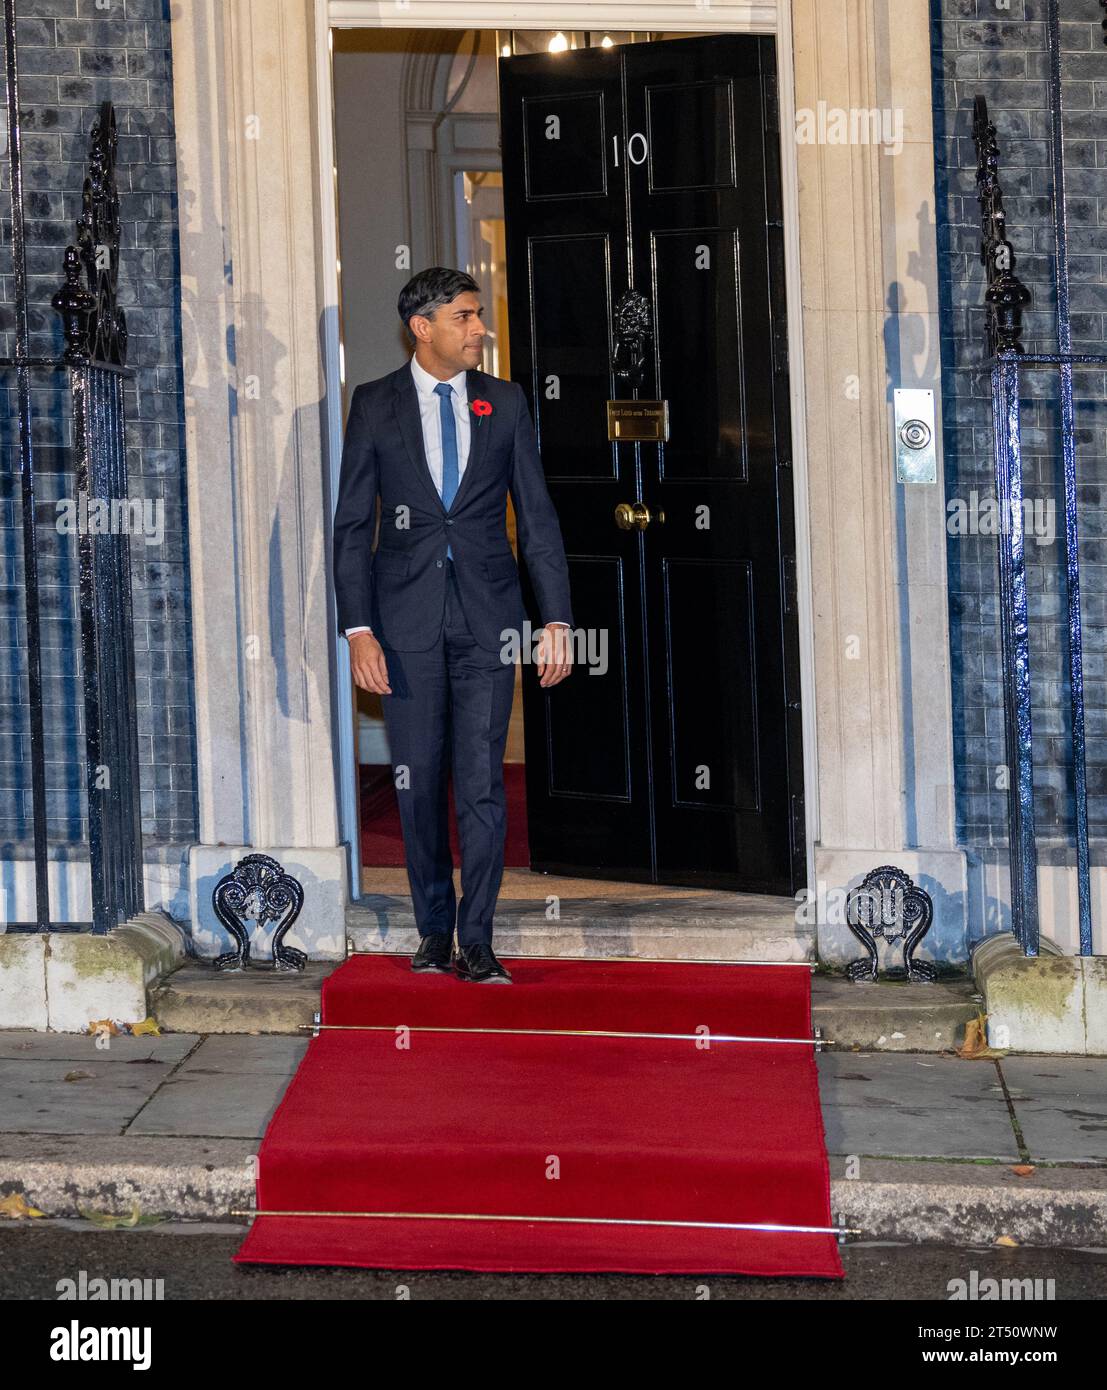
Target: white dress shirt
{"points": [[430, 414]]}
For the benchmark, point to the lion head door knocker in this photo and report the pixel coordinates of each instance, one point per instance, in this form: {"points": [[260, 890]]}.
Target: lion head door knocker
{"points": [[889, 905], [631, 331], [258, 888]]}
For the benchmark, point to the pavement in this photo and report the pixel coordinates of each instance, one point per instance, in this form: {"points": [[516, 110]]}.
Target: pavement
{"points": [[923, 1146]]}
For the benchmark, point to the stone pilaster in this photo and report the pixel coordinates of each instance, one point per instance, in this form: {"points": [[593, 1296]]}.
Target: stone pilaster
{"points": [[870, 306], [258, 496]]}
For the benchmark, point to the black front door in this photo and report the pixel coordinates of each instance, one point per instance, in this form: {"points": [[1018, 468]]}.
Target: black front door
{"points": [[654, 168]]}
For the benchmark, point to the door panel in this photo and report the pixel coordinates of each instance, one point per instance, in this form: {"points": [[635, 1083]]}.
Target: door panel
{"points": [[570, 347], [588, 800], [565, 150], [714, 761], [599, 765], [694, 276], [689, 128], [682, 763]]}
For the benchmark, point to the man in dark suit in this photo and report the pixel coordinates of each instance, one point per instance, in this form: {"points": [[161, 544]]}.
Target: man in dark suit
{"points": [[428, 614]]}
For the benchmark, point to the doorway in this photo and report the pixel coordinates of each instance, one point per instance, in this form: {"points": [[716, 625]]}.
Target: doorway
{"points": [[682, 762], [646, 263]]}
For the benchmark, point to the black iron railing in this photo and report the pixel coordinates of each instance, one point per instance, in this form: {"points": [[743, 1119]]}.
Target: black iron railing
{"points": [[95, 363], [1005, 300]]}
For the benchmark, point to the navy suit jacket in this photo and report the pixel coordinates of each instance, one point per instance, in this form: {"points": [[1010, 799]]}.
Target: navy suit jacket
{"points": [[399, 589]]}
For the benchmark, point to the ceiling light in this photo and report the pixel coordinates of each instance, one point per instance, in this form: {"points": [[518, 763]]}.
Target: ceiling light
{"points": [[607, 41], [559, 43]]}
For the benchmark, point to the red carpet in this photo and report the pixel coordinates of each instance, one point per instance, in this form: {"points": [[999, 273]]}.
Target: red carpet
{"points": [[382, 843], [515, 1124]]}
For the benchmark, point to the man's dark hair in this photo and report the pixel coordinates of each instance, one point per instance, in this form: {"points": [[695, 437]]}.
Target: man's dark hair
{"points": [[430, 289]]}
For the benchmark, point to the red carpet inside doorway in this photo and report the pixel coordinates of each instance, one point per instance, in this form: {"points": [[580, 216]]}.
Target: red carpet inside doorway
{"points": [[382, 843], [648, 1150]]}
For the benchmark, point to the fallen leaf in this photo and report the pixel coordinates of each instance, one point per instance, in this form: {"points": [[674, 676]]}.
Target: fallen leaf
{"points": [[15, 1206], [79, 1076], [108, 1220], [103, 1025], [1022, 1170], [1008, 1241], [975, 1047], [148, 1025]]}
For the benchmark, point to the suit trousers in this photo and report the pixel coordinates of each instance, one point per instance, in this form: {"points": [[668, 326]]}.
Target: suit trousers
{"points": [[449, 710]]}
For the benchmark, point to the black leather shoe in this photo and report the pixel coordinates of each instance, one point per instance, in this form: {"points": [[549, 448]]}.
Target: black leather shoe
{"points": [[434, 953], [479, 963]]}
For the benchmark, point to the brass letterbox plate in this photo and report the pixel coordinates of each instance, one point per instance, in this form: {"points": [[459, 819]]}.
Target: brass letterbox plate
{"points": [[638, 421]]}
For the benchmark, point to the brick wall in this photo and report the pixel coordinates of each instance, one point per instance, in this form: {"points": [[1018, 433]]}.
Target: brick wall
{"points": [[74, 54], [999, 50]]}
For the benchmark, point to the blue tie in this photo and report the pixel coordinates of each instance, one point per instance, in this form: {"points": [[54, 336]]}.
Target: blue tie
{"points": [[449, 447]]}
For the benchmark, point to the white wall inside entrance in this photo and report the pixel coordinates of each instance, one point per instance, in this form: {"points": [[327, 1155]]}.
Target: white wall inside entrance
{"points": [[398, 180]]}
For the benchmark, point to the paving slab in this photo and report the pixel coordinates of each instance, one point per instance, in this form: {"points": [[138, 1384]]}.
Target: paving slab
{"points": [[911, 1106], [35, 1096], [237, 1052], [25, 1046], [209, 1101], [1061, 1104]]}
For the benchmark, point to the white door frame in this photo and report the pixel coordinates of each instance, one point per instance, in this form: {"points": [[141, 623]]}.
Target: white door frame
{"points": [[765, 18]]}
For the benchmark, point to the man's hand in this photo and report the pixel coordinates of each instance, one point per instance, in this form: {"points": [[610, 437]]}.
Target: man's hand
{"points": [[367, 664], [555, 655]]}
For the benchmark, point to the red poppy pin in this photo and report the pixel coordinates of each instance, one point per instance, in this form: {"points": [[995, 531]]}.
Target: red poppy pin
{"points": [[480, 409]]}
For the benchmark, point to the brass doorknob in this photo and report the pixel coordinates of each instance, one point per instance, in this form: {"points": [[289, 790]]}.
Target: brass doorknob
{"points": [[629, 515]]}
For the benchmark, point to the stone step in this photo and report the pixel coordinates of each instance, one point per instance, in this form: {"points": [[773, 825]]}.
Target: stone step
{"points": [[706, 926], [886, 1017], [892, 1015], [198, 999]]}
